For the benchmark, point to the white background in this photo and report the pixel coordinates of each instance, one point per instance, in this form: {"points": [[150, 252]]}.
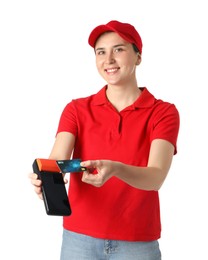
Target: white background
{"points": [[45, 61]]}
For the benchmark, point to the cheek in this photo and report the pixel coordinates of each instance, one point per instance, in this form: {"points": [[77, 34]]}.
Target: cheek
{"points": [[131, 68], [99, 65]]}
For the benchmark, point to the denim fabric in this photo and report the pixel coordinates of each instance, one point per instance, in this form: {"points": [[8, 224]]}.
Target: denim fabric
{"points": [[81, 247]]}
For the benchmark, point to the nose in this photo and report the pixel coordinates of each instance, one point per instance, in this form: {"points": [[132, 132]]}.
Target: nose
{"points": [[110, 58]]}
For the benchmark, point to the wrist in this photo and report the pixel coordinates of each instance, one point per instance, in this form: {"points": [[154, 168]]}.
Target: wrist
{"points": [[117, 169]]}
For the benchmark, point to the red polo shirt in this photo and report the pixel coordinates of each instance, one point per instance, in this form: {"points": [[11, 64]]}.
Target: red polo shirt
{"points": [[116, 210]]}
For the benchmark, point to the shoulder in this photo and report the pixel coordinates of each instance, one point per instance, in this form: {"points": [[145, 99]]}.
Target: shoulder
{"points": [[158, 104], [158, 111], [84, 104], [94, 99]]}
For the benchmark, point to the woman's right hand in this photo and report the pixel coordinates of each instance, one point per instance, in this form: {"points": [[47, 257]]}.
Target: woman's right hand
{"points": [[36, 183], [62, 149]]}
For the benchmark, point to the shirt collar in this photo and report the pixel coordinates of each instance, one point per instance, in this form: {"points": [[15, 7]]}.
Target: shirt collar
{"points": [[100, 98], [145, 100]]}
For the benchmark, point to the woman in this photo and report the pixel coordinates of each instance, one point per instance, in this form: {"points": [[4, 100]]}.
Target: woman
{"points": [[126, 138]]}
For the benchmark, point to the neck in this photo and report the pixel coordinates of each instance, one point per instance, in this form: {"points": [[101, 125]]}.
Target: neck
{"points": [[121, 97]]}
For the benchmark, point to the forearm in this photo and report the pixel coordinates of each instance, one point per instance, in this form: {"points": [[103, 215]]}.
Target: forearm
{"points": [[145, 178], [63, 146]]}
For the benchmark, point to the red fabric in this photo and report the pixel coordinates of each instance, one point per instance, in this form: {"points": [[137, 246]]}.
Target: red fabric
{"points": [[116, 210], [125, 30]]}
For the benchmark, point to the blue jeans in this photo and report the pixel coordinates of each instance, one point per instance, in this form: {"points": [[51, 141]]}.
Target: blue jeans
{"points": [[81, 247]]}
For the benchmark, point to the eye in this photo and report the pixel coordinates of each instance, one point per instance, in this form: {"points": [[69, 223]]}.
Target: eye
{"points": [[119, 49], [100, 52]]}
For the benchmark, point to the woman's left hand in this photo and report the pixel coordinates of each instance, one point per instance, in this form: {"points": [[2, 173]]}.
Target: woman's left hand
{"points": [[98, 171]]}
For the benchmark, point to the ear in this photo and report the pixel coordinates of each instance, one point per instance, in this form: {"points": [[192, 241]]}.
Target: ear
{"points": [[139, 59]]}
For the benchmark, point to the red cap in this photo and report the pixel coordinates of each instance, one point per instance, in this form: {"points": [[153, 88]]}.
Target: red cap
{"points": [[125, 30]]}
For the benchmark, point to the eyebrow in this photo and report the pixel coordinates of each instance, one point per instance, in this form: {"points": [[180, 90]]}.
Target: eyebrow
{"points": [[115, 46]]}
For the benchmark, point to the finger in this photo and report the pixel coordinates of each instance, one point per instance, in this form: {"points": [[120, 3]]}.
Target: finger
{"points": [[92, 179], [39, 193], [36, 182], [86, 177], [33, 176], [40, 196], [38, 190], [85, 163], [89, 163]]}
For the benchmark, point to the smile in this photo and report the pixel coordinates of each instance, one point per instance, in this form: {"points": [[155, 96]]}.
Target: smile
{"points": [[111, 70]]}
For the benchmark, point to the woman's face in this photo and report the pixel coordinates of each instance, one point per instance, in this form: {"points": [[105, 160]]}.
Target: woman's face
{"points": [[116, 59]]}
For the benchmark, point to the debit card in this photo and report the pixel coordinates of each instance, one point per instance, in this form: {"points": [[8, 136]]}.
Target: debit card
{"points": [[70, 165]]}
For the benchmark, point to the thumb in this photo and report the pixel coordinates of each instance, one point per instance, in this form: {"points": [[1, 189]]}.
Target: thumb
{"points": [[91, 165]]}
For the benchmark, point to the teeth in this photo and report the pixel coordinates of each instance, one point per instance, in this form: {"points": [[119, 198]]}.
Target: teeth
{"points": [[111, 70]]}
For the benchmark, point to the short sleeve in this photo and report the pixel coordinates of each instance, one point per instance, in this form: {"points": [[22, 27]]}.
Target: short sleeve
{"points": [[166, 124], [68, 120]]}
